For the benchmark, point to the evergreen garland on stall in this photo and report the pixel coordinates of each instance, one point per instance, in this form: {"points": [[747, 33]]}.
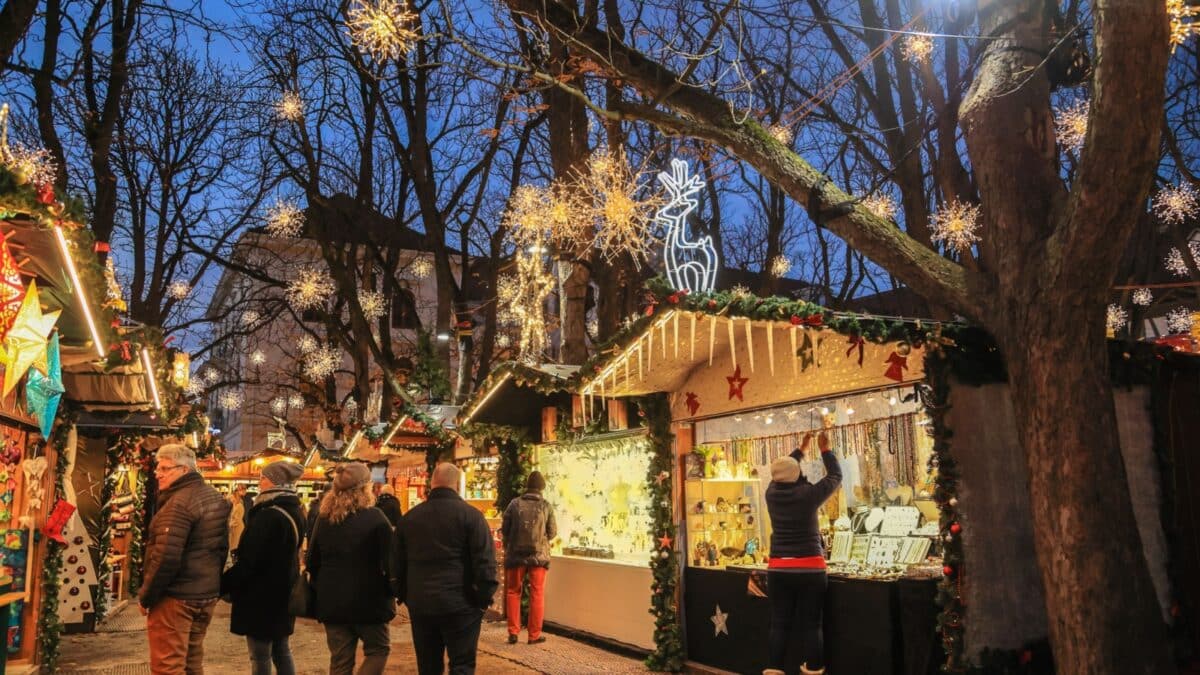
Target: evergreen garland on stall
{"points": [[668, 654], [50, 626], [512, 451]]}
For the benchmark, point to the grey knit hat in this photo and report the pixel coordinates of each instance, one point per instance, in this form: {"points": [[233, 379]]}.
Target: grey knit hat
{"points": [[283, 473]]}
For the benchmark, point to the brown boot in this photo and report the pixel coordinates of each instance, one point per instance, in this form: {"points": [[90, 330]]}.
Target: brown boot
{"points": [[805, 671]]}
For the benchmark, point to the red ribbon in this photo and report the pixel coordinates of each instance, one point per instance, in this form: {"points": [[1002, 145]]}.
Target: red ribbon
{"points": [[856, 341], [124, 347], [101, 247], [45, 193]]}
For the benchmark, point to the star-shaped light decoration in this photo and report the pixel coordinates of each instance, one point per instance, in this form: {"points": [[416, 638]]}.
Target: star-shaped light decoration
{"points": [[25, 342], [736, 382], [955, 224], [11, 288], [720, 622], [1142, 297], [43, 392], [665, 541], [382, 28]]}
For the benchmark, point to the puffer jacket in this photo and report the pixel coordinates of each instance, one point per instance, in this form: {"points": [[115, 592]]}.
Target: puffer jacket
{"points": [[450, 558], [527, 528], [188, 542]]}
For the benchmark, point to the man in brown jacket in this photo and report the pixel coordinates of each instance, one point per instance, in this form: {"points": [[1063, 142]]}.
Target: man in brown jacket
{"points": [[185, 554]]}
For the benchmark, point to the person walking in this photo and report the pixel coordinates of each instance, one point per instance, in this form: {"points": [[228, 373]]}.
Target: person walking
{"points": [[449, 575], [186, 548], [350, 564], [387, 502], [237, 518], [796, 569], [527, 528], [268, 564]]}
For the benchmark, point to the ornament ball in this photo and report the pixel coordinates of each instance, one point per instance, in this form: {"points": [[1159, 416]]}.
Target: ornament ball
{"points": [[953, 501], [955, 528], [948, 571]]}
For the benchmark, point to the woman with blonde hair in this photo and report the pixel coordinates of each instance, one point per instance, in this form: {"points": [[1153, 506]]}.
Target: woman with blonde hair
{"points": [[350, 564]]}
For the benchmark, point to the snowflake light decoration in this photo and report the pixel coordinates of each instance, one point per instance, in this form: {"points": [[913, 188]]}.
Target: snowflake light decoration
{"points": [[310, 289], [1182, 26], [881, 205], [503, 341], [780, 266], [1116, 318], [278, 405], [740, 292], [210, 376], [321, 363], [285, 220], [230, 399], [1179, 320], [781, 133], [1175, 204], [918, 48], [1071, 124], [250, 317], [290, 107], [27, 164], [421, 268], [955, 225], [373, 304], [307, 344], [179, 290], [382, 28], [295, 401], [609, 209], [1142, 297], [194, 388], [1175, 263], [537, 215], [257, 357]]}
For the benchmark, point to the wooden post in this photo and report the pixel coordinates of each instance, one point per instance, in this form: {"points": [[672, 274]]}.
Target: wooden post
{"points": [[618, 415], [578, 416], [549, 424]]}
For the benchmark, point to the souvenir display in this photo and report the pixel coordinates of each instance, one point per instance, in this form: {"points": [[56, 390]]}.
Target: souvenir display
{"points": [[479, 478], [600, 499]]}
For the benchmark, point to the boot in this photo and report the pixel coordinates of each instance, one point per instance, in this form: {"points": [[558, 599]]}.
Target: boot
{"points": [[805, 671], [772, 671]]}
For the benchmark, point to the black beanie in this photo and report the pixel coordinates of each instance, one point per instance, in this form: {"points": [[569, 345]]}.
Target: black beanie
{"points": [[536, 482]]}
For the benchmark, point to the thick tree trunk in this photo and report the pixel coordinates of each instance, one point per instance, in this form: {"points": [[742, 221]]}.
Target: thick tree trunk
{"points": [[15, 17], [1102, 608]]}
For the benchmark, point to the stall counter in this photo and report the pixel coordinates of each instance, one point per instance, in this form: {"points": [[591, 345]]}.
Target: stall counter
{"points": [[604, 598]]}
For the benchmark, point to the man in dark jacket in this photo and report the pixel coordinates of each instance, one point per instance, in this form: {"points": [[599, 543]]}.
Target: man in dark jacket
{"points": [[185, 553], [527, 528], [260, 583], [449, 575], [387, 502]]}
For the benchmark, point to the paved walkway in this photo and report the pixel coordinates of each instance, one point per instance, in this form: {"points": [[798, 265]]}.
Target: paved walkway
{"points": [[120, 649]]}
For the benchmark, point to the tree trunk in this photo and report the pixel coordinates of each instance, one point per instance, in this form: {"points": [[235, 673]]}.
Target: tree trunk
{"points": [[15, 17]]}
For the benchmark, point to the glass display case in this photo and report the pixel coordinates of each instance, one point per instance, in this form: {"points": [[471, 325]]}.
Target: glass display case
{"points": [[478, 487], [601, 502]]}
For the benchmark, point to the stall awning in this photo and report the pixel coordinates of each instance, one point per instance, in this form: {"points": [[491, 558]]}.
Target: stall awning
{"points": [[515, 395]]}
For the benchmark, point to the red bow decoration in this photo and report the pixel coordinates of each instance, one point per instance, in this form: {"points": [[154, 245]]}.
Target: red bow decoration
{"points": [[860, 343], [45, 193], [675, 297], [101, 247], [124, 346], [810, 320]]}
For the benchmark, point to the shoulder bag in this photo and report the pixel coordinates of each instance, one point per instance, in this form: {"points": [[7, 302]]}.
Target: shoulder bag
{"points": [[302, 601]]}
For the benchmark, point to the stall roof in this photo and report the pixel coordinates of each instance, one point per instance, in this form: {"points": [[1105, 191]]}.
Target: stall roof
{"points": [[515, 394]]}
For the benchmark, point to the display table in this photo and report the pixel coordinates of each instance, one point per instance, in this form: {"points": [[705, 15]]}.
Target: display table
{"points": [[607, 599], [876, 627]]}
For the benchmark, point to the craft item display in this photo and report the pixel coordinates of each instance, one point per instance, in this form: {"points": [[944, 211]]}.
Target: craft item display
{"points": [[34, 469], [13, 560], [724, 520], [899, 521], [479, 478]]}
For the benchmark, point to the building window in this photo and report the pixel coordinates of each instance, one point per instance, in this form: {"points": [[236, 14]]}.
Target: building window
{"points": [[404, 311]]}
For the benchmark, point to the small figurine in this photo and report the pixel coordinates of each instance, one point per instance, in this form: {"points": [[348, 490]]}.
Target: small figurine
{"points": [[712, 555], [752, 549]]}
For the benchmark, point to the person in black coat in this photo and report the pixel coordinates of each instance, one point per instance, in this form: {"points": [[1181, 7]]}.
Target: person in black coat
{"points": [[350, 564], [387, 502], [267, 566], [449, 577]]}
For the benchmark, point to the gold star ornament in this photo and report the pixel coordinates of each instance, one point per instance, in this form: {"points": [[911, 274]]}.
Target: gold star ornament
{"points": [[25, 343]]}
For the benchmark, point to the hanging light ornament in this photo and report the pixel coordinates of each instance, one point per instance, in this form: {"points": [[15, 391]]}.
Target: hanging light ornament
{"points": [[1175, 263], [780, 266], [230, 399], [285, 219], [537, 215], [528, 308], [250, 317], [382, 28], [257, 357], [306, 344], [918, 48], [1182, 26], [210, 376], [296, 401], [881, 205], [310, 289], [740, 292], [373, 304], [503, 341], [781, 133], [1179, 320], [278, 405], [1116, 318], [955, 225], [1142, 297], [1071, 124], [322, 362], [1175, 204], [290, 107], [603, 209], [27, 164], [179, 290], [421, 268], [193, 388]]}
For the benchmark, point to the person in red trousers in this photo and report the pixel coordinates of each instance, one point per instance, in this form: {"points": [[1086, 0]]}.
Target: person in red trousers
{"points": [[528, 528]]}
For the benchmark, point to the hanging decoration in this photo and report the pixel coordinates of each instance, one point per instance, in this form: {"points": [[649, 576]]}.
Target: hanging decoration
{"points": [[881, 205], [28, 165], [373, 304], [43, 392], [720, 622], [296, 401], [257, 357], [421, 268], [1175, 204], [917, 48], [12, 291], [1179, 320], [1071, 124], [1181, 16], [250, 317], [285, 219], [1175, 263], [311, 288], [780, 265], [898, 362], [693, 403], [955, 225], [230, 399], [856, 341], [618, 222], [1142, 297], [307, 343], [322, 362], [382, 28], [289, 107], [736, 383], [691, 265], [1115, 318], [114, 296], [179, 290], [25, 343], [534, 285], [781, 133]]}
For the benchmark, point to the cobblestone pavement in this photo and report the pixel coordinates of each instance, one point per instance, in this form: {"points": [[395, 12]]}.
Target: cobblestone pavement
{"points": [[123, 651]]}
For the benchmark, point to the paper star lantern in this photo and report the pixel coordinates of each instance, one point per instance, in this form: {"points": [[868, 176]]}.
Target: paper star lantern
{"points": [[43, 392], [25, 343], [11, 288]]}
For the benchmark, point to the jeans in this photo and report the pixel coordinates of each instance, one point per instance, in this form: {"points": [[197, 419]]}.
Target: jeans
{"points": [[265, 652], [797, 599], [176, 629], [455, 635], [513, 578], [343, 638]]}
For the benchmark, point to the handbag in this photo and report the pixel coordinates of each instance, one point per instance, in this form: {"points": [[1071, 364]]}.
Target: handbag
{"points": [[302, 601]]}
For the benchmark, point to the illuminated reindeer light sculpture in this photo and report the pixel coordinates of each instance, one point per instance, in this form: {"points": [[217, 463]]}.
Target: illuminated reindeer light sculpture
{"points": [[691, 266]]}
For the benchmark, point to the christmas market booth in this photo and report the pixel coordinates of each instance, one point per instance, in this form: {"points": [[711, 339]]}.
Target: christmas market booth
{"points": [[402, 452], [226, 476]]}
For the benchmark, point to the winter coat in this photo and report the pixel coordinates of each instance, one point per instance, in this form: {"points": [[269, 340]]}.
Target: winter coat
{"points": [[260, 582], [237, 522], [247, 504], [351, 565], [450, 561], [187, 544], [390, 507], [527, 529], [793, 511]]}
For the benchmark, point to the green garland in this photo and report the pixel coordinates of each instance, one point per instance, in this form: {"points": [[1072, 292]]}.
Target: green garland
{"points": [[50, 626], [668, 654], [523, 375], [512, 451]]}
